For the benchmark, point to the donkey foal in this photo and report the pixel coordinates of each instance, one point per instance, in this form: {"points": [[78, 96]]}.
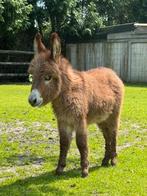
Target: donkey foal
{"points": [[78, 99]]}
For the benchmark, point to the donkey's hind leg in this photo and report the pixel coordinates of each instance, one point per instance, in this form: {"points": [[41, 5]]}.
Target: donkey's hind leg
{"points": [[109, 129], [65, 134]]}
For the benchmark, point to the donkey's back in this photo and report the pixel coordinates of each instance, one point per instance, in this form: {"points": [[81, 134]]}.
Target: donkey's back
{"points": [[99, 92]]}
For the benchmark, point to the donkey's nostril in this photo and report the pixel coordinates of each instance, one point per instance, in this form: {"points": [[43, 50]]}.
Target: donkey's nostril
{"points": [[34, 100]]}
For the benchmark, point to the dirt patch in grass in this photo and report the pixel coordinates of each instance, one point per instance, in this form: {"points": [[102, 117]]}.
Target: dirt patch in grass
{"points": [[28, 146], [19, 131], [44, 133]]}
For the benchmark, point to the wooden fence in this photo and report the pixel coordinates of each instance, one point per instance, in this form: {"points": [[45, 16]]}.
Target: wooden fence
{"points": [[122, 48], [128, 59], [14, 65], [125, 52]]}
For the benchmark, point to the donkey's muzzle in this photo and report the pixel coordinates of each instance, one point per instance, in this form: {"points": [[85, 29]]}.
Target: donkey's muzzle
{"points": [[35, 98]]}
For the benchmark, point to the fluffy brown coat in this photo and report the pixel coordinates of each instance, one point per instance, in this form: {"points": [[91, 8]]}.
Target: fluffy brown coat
{"points": [[78, 99]]}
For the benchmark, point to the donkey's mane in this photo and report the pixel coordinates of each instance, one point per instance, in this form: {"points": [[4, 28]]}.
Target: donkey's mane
{"points": [[70, 76]]}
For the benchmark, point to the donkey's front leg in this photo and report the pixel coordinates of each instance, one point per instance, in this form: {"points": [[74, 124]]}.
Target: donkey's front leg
{"points": [[81, 140], [65, 134]]}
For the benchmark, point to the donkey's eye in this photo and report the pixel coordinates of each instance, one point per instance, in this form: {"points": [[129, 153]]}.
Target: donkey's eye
{"points": [[47, 78]]}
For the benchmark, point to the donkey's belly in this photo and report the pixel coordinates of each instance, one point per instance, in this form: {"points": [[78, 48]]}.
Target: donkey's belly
{"points": [[97, 118]]}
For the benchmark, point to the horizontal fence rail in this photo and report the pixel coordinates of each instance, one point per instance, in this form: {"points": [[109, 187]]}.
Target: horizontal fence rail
{"points": [[13, 74], [14, 65], [15, 52]]}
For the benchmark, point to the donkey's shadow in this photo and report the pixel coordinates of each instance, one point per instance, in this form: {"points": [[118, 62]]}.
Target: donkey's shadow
{"points": [[41, 183]]}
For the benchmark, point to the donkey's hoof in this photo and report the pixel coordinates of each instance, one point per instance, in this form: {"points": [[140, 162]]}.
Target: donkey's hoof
{"points": [[59, 171], [105, 162], [85, 173], [114, 162], [105, 165]]}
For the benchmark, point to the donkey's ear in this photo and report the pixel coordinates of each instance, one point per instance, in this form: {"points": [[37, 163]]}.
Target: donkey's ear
{"points": [[55, 44], [38, 45]]}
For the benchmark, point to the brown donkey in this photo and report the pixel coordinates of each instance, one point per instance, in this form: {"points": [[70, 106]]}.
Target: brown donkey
{"points": [[78, 99]]}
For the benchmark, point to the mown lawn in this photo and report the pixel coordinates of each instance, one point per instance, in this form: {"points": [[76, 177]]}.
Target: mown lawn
{"points": [[29, 150]]}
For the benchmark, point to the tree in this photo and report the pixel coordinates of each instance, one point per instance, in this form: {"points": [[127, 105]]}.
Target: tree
{"points": [[13, 18], [122, 11], [75, 17], [138, 11], [1, 10], [71, 18], [14, 15]]}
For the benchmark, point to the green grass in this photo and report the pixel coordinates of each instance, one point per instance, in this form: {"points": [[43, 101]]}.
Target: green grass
{"points": [[14, 105], [29, 150]]}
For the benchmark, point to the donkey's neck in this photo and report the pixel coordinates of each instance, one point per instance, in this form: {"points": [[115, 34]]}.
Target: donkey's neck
{"points": [[72, 81], [70, 76]]}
